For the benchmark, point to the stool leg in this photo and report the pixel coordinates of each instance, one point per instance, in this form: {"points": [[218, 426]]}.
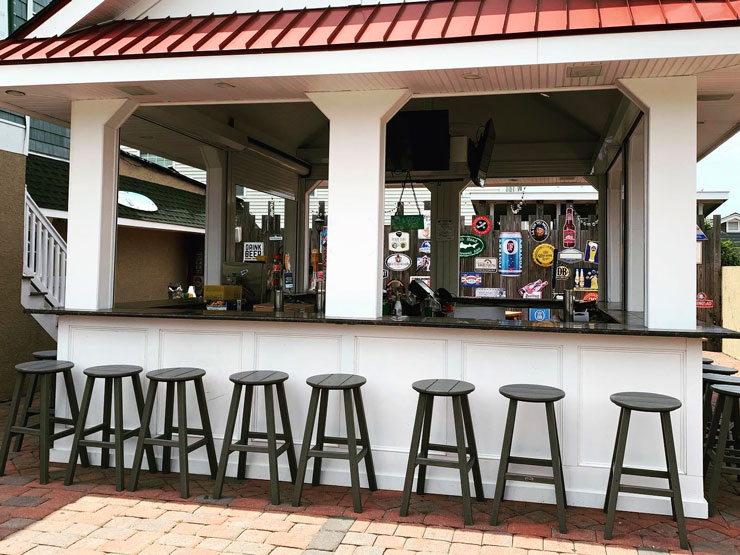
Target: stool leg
{"points": [[272, 446], [107, 405], [557, 465], [614, 458], [182, 439], [365, 436], [12, 416], [118, 432], [74, 410], [169, 413], [28, 402], [503, 463], [287, 431], [228, 435], [139, 396], [562, 474], [146, 417], [712, 435], [462, 459], [424, 451], [241, 467], [354, 464], [320, 433], [413, 453], [724, 407], [473, 448], [45, 426], [617, 474], [305, 447], [673, 481], [707, 408], [79, 431], [205, 421]]}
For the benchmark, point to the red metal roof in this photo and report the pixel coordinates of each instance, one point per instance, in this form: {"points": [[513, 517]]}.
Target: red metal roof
{"points": [[433, 21]]}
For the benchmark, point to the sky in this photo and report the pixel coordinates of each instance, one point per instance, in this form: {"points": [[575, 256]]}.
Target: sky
{"points": [[719, 172]]}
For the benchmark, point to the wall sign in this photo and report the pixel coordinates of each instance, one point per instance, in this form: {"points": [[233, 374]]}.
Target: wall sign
{"points": [[700, 235], [533, 288], [543, 255], [471, 279], [398, 262], [539, 314], [510, 253], [571, 256], [490, 292], [486, 264], [426, 231], [386, 273], [587, 278], [592, 252], [253, 252], [562, 273], [423, 263], [425, 247], [539, 230], [470, 246], [407, 222], [444, 230], [398, 241], [703, 302], [482, 225], [590, 296], [424, 279]]}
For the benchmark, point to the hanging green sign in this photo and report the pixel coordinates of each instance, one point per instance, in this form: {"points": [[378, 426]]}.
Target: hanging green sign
{"points": [[407, 222], [470, 245]]}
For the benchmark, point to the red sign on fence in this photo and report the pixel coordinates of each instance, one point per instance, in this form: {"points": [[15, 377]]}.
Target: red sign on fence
{"points": [[703, 302]]}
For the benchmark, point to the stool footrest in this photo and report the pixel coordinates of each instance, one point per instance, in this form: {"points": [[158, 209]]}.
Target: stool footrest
{"points": [[530, 461], [97, 443], [445, 448], [645, 490], [161, 441], [428, 461], [36, 431], [241, 447], [261, 435], [197, 445], [331, 440], [319, 454], [646, 473], [535, 478]]}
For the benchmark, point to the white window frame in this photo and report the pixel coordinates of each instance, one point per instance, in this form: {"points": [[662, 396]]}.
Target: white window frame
{"points": [[733, 226]]}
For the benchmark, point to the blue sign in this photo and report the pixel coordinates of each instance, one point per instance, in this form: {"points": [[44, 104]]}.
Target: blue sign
{"points": [[539, 314], [700, 235]]}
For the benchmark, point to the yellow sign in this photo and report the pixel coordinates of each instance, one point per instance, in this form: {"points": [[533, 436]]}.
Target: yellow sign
{"points": [[543, 255]]}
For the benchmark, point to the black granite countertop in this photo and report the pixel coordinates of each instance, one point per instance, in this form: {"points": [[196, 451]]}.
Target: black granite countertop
{"points": [[626, 323]]}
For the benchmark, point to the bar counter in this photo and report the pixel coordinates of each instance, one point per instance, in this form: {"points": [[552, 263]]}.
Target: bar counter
{"points": [[589, 361]]}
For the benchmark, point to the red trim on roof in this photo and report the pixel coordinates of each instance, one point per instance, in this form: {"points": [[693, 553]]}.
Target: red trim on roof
{"points": [[433, 21]]}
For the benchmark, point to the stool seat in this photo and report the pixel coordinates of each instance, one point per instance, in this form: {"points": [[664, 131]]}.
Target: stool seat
{"points": [[645, 402], [336, 381], [178, 374], [443, 388], [719, 379], [113, 371], [706, 360], [716, 369], [729, 390], [45, 355], [259, 377], [532, 393], [44, 366]]}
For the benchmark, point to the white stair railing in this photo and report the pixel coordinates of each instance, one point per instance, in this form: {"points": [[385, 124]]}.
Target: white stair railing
{"points": [[44, 254]]}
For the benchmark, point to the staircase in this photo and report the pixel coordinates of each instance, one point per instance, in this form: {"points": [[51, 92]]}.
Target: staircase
{"points": [[44, 266]]}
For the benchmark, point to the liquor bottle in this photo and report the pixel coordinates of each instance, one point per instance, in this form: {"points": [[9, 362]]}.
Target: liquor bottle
{"points": [[569, 230]]}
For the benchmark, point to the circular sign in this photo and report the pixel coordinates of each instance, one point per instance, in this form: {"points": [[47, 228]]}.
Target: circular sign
{"points": [[590, 296], [562, 273], [481, 225], [398, 262], [539, 230], [470, 245], [543, 255]]}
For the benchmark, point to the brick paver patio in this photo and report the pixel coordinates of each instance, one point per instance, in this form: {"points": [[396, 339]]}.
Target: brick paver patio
{"points": [[91, 517]]}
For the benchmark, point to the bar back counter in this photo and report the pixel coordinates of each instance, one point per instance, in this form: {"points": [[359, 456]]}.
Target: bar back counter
{"points": [[588, 361]]}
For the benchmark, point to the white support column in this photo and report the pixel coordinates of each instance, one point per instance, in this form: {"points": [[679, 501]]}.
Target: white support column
{"points": [[670, 198], [446, 254], [216, 162], [93, 195], [356, 193]]}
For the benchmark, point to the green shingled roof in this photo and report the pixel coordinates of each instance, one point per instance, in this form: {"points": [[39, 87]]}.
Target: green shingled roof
{"points": [[47, 183]]}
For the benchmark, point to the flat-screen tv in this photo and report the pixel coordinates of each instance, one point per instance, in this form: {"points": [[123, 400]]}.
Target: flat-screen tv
{"points": [[479, 154], [418, 141]]}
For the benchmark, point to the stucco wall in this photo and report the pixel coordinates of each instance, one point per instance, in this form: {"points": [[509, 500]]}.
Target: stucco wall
{"points": [[20, 333], [731, 308]]}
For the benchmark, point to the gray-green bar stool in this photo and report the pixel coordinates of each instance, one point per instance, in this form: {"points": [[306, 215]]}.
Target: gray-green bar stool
{"points": [[662, 405], [175, 378], [531, 393], [28, 408], [708, 380], [269, 380], [44, 371], [467, 454], [112, 376], [349, 385], [716, 449]]}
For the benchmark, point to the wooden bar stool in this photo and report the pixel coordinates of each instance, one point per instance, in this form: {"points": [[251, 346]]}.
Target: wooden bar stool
{"points": [[716, 447], [43, 371], [531, 393], [267, 379], [715, 369], [708, 380], [28, 409], [349, 385], [175, 377], [645, 402], [458, 391], [112, 376]]}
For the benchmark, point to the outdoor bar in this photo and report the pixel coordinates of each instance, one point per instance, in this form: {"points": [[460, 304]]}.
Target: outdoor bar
{"points": [[592, 300]]}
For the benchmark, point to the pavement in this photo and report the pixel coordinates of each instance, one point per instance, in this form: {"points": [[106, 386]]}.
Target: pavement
{"points": [[91, 517]]}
